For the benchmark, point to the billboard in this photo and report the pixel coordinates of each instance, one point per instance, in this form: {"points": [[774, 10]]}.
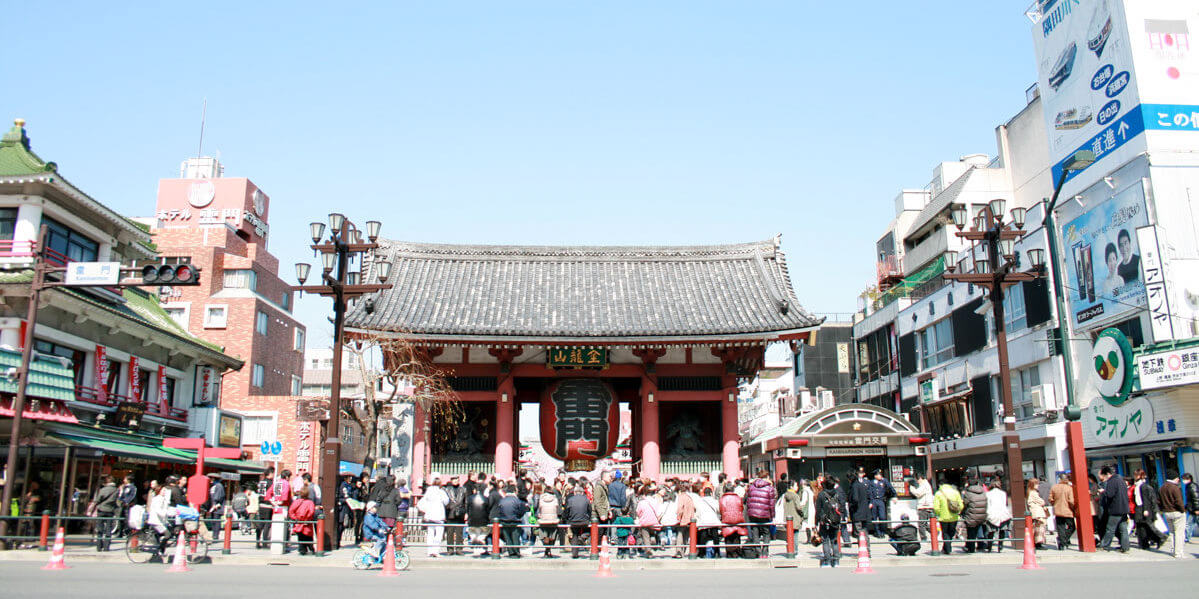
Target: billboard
{"points": [[1103, 260], [229, 429], [1111, 70]]}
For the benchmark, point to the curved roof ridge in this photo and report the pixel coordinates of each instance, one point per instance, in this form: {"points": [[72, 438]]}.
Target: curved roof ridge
{"points": [[499, 251]]}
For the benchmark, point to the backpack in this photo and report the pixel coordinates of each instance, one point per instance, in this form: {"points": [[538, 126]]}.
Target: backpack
{"points": [[547, 511], [831, 516], [955, 503], [240, 501]]}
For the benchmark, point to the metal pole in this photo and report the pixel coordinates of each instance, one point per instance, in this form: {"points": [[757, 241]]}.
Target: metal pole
{"points": [[1011, 439], [18, 405], [331, 461]]}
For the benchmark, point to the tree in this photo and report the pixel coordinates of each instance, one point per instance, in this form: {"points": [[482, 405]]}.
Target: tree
{"points": [[395, 371]]}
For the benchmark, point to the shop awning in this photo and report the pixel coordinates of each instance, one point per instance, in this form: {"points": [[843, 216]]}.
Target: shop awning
{"points": [[132, 450], [243, 466], [1131, 449]]}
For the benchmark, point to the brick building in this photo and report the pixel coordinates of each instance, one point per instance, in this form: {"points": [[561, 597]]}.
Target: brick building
{"points": [[242, 303]]}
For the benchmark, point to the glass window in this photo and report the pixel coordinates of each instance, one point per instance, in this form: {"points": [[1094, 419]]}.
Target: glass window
{"points": [[78, 357], [256, 429], [143, 379], [8, 223], [177, 314], [261, 322], [241, 279], [286, 303], [169, 392], [215, 317], [257, 375], [936, 343], [296, 385], [70, 244], [1015, 313], [1023, 380], [298, 344]]}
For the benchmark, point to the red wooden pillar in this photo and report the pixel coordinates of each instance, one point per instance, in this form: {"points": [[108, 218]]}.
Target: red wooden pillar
{"points": [[505, 429], [730, 438], [420, 444], [651, 454]]}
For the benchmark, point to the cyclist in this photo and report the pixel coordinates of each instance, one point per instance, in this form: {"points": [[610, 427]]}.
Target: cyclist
{"points": [[158, 516], [374, 529]]}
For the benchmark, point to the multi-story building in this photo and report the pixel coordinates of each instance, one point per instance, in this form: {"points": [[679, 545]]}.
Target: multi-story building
{"points": [[824, 366], [242, 303], [124, 374]]}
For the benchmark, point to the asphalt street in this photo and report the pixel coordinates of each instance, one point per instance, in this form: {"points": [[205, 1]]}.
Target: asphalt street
{"points": [[1155, 579]]}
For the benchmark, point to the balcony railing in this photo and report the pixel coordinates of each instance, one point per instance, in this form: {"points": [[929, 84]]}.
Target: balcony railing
{"points": [[889, 267], [111, 400], [693, 464], [16, 249]]}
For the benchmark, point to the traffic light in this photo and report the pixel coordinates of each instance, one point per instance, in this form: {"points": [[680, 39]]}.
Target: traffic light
{"points": [[170, 274]]}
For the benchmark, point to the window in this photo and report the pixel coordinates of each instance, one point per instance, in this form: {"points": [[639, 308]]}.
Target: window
{"points": [[347, 434], [286, 303], [298, 343], [257, 375], [8, 223], [936, 343], [215, 316], [241, 279], [78, 357], [69, 243], [179, 314], [296, 385], [168, 395], [1023, 381], [258, 428], [260, 322], [143, 379], [114, 378], [1015, 312]]}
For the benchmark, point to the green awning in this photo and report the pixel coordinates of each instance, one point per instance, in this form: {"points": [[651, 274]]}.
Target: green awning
{"points": [[244, 466], [120, 448], [50, 377]]}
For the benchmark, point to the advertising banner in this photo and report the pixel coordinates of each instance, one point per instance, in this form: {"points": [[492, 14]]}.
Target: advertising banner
{"points": [[101, 373], [229, 430], [1169, 368], [163, 391], [1103, 260], [1156, 293], [135, 380]]}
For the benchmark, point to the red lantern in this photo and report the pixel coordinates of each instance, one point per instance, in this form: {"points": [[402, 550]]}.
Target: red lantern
{"points": [[579, 422]]}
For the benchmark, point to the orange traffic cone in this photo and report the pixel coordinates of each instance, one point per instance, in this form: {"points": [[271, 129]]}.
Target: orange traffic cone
{"points": [[605, 566], [180, 562], [863, 557], [389, 557], [56, 558], [1030, 552]]}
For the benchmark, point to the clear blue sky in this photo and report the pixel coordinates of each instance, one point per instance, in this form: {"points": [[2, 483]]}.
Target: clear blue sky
{"points": [[532, 122]]}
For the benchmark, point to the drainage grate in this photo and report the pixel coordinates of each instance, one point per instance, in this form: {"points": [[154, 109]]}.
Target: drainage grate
{"points": [[944, 574]]}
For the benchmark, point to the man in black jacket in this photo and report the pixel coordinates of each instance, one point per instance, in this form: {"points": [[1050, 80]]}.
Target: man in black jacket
{"points": [[1190, 494], [859, 506], [578, 516], [478, 517], [905, 538], [511, 514], [455, 512], [1114, 500]]}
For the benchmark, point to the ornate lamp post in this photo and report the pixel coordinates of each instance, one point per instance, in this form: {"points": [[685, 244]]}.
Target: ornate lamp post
{"points": [[995, 272], [343, 245]]}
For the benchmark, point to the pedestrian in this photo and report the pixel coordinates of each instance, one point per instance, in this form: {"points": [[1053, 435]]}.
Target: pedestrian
{"points": [[669, 536], [301, 512], [1145, 516], [905, 537], [881, 494], [828, 519], [1114, 503], [1173, 509], [279, 495], [253, 507], [732, 516], [215, 507], [707, 520], [548, 509], [793, 506], [511, 514], [578, 516], [262, 528], [923, 492], [126, 498], [105, 509], [31, 505], [974, 514], [455, 517], [239, 504], [649, 519], [947, 507], [1190, 493], [859, 505], [1036, 509], [1061, 498], [807, 503], [684, 509], [760, 497], [478, 516], [618, 495], [346, 496], [432, 507], [999, 516]]}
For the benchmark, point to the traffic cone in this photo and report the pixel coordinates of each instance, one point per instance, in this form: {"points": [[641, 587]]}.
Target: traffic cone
{"points": [[180, 562], [389, 557], [56, 558], [1030, 552], [863, 557], [605, 566]]}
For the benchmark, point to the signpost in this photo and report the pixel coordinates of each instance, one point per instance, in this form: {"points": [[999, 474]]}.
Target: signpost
{"points": [[93, 273], [309, 410]]}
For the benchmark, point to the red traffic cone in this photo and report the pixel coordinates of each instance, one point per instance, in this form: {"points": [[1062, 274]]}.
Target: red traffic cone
{"points": [[1030, 552], [389, 557], [605, 566], [863, 557], [56, 558], [179, 564]]}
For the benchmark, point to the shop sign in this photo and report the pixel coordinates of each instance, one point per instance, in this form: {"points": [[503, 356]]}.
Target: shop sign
{"points": [[229, 430], [102, 373], [204, 381], [577, 357], [929, 392], [834, 452], [1111, 366], [1103, 260], [129, 414], [1156, 293], [1108, 424], [162, 389], [858, 440], [304, 449], [1169, 368], [312, 409], [135, 380]]}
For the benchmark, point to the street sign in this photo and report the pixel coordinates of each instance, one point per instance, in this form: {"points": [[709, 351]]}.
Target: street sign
{"points": [[312, 409], [93, 273], [272, 451]]}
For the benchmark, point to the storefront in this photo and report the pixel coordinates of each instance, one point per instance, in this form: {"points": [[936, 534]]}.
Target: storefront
{"points": [[840, 439]]}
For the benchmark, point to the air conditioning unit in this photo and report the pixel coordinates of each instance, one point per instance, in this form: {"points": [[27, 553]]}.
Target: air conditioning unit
{"points": [[1043, 398], [794, 453]]}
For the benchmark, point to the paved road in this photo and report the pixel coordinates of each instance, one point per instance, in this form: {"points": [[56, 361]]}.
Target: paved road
{"points": [[1156, 579]]}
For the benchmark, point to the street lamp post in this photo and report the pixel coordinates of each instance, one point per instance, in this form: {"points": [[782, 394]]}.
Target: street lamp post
{"points": [[343, 244], [995, 272]]}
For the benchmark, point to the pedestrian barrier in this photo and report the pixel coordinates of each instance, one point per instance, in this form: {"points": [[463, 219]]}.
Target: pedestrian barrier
{"points": [[57, 558]]}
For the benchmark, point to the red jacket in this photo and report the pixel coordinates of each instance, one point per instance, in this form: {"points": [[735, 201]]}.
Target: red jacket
{"points": [[303, 510], [732, 512]]}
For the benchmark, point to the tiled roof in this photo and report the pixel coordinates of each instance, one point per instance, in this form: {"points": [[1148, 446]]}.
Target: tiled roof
{"points": [[16, 158], [577, 292]]}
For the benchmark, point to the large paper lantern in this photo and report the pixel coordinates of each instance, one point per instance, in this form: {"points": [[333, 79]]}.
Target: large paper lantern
{"points": [[580, 419]]}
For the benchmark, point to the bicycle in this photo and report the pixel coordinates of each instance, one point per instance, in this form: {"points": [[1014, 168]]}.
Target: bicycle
{"points": [[363, 560], [141, 546]]}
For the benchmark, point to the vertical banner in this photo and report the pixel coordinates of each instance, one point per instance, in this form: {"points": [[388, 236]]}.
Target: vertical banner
{"points": [[304, 449], [203, 385], [101, 373], [1155, 285], [135, 380], [163, 400]]}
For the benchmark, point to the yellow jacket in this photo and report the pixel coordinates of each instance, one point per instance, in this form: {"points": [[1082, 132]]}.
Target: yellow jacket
{"points": [[945, 496]]}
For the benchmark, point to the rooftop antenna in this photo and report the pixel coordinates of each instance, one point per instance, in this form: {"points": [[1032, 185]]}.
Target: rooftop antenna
{"points": [[203, 114]]}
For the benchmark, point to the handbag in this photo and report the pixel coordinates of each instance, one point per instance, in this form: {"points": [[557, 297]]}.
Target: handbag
{"points": [[816, 539], [1160, 524]]}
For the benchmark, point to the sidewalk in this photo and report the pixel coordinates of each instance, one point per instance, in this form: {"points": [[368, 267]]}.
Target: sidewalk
{"points": [[807, 557]]}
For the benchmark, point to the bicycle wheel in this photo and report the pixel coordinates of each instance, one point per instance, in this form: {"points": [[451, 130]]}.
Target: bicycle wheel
{"points": [[362, 560], [402, 560], [196, 550], [140, 546]]}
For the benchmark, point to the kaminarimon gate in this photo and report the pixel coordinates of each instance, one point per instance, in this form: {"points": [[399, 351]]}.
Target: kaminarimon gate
{"points": [[576, 330]]}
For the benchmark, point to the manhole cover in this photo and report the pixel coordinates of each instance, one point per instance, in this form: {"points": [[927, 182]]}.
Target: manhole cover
{"points": [[943, 574]]}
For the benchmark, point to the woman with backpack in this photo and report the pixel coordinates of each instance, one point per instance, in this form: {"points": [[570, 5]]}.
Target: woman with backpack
{"points": [[828, 523], [947, 505], [548, 508]]}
